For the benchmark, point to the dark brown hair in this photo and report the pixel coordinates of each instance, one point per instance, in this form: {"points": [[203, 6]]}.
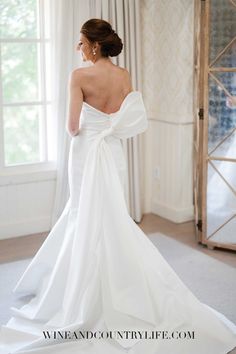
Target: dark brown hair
{"points": [[97, 30]]}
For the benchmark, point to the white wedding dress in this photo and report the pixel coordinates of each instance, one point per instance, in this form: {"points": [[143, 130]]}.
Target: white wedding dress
{"points": [[97, 270]]}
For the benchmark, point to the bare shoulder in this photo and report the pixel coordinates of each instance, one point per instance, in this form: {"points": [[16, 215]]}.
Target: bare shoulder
{"points": [[77, 75], [126, 78], [125, 72]]}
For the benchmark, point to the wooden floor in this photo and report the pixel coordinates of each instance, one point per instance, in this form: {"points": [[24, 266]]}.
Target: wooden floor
{"points": [[26, 246]]}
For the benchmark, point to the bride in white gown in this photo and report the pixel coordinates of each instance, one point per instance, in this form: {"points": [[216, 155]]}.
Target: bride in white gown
{"points": [[97, 271]]}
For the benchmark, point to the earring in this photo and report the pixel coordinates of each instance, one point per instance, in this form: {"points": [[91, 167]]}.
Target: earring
{"points": [[94, 52]]}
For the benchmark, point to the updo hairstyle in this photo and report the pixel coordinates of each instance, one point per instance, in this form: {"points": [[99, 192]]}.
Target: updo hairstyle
{"points": [[97, 30]]}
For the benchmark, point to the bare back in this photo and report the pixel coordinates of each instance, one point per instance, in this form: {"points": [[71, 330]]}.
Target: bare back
{"points": [[105, 86]]}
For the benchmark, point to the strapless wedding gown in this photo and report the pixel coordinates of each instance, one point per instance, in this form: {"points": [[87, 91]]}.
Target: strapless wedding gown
{"points": [[97, 271]]}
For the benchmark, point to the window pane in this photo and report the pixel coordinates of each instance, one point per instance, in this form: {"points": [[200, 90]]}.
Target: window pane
{"points": [[18, 18], [20, 72], [48, 71], [21, 134], [47, 18]]}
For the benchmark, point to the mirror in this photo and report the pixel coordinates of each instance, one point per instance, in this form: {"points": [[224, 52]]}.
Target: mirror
{"points": [[218, 88]]}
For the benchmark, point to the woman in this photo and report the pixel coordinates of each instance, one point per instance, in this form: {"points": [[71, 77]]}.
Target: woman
{"points": [[103, 85], [97, 271]]}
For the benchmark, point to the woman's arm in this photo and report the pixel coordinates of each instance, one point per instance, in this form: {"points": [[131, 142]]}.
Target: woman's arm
{"points": [[75, 103]]}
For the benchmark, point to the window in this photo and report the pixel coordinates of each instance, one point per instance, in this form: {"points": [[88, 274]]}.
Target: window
{"points": [[26, 126]]}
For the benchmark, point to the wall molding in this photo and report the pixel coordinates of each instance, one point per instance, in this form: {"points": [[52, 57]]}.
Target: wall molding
{"points": [[177, 215], [26, 178], [169, 121], [24, 227]]}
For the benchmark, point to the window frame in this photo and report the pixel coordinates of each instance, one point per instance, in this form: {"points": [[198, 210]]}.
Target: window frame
{"points": [[30, 168]]}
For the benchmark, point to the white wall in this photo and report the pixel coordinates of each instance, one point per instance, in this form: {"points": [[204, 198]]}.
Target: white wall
{"points": [[167, 48], [26, 202]]}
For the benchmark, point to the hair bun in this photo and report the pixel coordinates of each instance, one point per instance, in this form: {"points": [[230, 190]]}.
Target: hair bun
{"points": [[114, 46], [101, 31]]}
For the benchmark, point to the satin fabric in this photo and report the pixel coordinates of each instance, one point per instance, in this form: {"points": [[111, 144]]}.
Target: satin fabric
{"points": [[98, 271]]}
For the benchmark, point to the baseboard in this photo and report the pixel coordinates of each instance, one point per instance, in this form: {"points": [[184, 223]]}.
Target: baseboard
{"points": [[24, 227], [173, 214], [43, 224]]}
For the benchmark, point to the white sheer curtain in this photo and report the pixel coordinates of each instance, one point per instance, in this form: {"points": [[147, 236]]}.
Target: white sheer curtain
{"points": [[68, 17]]}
